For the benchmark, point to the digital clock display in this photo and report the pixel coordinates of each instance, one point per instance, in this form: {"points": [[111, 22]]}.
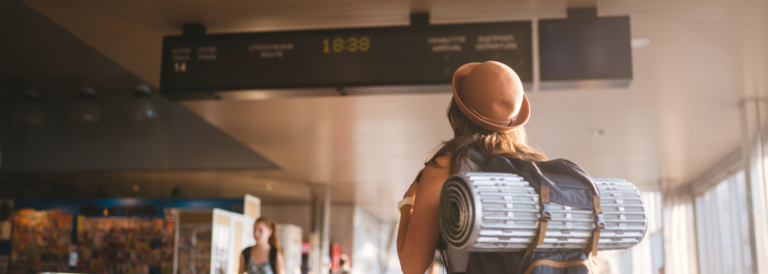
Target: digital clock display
{"points": [[352, 44], [195, 65]]}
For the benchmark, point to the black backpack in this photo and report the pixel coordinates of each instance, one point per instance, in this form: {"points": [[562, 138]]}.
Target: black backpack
{"points": [[559, 181]]}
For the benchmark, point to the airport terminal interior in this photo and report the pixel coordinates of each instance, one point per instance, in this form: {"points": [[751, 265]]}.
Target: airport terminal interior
{"points": [[149, 136]]}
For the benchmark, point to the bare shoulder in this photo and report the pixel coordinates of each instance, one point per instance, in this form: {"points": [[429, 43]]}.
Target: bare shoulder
{"points": [[437, 173]]}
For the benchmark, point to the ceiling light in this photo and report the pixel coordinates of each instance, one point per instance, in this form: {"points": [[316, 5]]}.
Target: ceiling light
{"points": [[141, 108], [640, 42], [30, 111], [598, 132], [85, 111]]}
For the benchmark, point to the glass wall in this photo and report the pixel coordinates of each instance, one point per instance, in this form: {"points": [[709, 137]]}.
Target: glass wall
{"points": [[647, 257], [755, 155], [719, 222], [723, 228], [679, 234]]}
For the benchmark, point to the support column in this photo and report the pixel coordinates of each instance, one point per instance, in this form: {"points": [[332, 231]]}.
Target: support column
{"points": [[320, 232], [754, 129]]}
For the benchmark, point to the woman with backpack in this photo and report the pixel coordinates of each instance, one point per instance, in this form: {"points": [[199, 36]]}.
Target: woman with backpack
{"points": [[264, 257], [487, 114]]}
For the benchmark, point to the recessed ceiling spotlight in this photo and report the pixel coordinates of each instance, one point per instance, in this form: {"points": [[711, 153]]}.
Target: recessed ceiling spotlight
{"points": [[141, 108], [598, 132], [641, 42], [85, 111]]}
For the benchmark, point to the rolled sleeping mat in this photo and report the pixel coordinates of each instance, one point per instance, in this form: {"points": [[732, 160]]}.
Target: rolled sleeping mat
{"points": [[492, 212]]}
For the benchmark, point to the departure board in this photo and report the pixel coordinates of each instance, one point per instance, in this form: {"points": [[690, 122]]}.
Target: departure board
{"points": [[409, 55]]}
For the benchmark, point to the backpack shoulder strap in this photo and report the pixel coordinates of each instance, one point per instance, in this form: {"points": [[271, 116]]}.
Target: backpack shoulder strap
{"points": [[455, 259], [273, 259], [247, 254], [477, 157]]}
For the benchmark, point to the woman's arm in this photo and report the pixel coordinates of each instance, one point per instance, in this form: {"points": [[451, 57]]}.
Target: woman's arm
{"points": [[242, 264], [419, 227], [280, 264]]}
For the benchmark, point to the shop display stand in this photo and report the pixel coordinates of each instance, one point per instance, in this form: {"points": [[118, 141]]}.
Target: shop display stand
{"points": [[290, 241], [193, 242]]}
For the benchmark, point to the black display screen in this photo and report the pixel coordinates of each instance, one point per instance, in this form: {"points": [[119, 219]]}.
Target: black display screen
{"points": [[597, 48], [412, 55]]}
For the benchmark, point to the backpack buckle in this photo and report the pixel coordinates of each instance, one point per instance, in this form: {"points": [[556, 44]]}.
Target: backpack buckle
{"points": [[546, 214], [599, 221]]}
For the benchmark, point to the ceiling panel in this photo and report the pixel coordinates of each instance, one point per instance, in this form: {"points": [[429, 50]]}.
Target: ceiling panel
{"points": [[37, 53], [160, 184]]}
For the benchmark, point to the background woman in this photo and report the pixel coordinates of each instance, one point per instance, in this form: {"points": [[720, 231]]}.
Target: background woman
{"points": [[487, 113], [265, 256]]}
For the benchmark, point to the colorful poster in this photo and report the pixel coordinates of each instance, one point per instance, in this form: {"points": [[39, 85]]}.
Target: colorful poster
{"points": [[126, 245], [40, 241]]}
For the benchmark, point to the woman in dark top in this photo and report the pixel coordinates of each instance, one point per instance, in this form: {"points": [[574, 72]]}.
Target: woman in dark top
{"points": [[487, 112], [264, 257]]}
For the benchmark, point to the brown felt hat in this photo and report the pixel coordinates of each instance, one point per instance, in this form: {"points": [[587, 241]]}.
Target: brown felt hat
{"points": [[491, 95]]}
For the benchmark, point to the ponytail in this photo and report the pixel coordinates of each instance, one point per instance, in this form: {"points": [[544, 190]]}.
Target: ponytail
{"points": [[273, 241]]}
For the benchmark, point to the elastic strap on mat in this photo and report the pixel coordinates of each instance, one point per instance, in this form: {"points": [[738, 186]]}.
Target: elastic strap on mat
{"points": [[546, 215], [591, 249], [557, 264]]}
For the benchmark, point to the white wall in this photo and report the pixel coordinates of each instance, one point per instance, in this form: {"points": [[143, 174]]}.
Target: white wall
{"points": [[296, 214]]}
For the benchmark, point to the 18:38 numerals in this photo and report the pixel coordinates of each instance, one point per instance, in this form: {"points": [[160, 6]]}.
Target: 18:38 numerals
{"points": [[352, 44]]}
